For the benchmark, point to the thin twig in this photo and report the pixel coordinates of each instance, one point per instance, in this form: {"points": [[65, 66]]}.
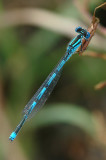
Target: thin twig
{"points": [[92, 29], [86, 16], [94, 54], [100, 85]]}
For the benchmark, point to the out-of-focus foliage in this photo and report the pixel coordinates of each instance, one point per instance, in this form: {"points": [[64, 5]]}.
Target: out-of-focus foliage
{"points": [[70, 114], [27, 55]]}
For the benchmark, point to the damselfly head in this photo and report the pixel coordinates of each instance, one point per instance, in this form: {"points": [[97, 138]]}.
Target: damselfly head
{"points": [[87, 35], [78, 29], [83, 32]]}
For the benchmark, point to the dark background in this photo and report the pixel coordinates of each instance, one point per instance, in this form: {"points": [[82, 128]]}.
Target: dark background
{"points": [[72, 123]]}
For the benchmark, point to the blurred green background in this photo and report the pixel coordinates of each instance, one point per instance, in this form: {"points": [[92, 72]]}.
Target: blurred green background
{"points": [[72, 123]]}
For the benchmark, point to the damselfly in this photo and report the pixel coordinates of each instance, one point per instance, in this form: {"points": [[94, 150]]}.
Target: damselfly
{"points": [[40, 97]]}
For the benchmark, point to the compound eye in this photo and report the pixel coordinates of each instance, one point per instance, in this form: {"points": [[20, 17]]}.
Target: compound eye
{"points": [[78, 29], [87, 35]]}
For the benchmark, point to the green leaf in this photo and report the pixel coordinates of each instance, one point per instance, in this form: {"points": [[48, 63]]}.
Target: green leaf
{"points": [[65, 113]]}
